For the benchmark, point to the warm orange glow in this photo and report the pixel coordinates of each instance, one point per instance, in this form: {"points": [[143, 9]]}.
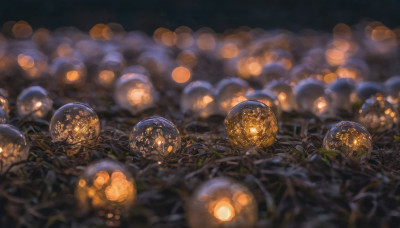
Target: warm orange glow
{"points": [[330, 77], [41, 36], [72, 76], [101, 178], [188, 59], [344, 72], [25, 61], [120, 189], [243, 199], [106, 76], [158, 33], [335, 56], [100, 32], [82, 183], [229, 51], [38, 104], [321, 104], [249, 67], [22, 29], [282, 97], [184, 37], [181, 74], [224, 210], [139, 95], [342, 31], [64, 50], [206, 42], [382, 33], [168, 38]]}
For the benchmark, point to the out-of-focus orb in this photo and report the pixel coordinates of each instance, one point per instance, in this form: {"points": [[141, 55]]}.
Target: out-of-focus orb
{"points": [[251, 124], [34, 102], [343, 94], [222, 202], [107, 188], [267, 98], [272, 71], [155, 138], [110, 68], [4, 104], [284, 92], [230, 92], [356, 69], [75, 123], [366, 90], [3, 116], [197, 97], [392, 88], [69, 71], [311, 97], [350, 138], [135, 93], [300, 72], [13, 146], [377, 114]]}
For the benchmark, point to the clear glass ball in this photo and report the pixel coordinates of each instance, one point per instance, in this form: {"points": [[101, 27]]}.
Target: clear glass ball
{"points": [[272, 71], [392, 88], [343, 94], [13, 147], [135, 93], [267, 98], [356, 69], [107, 188], [34, 102], [155, 138], [69, 71], [284, 92], [350, 138], [366, 90], [76, 124], [197, 97], [110, 68], [311, 97], [222, 202], [251, 124], [230, 92], [377, 114]]}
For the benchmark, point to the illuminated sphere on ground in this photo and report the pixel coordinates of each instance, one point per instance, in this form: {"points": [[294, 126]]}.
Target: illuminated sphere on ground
{"points": [[230, 92], [69, 71], [13, 146], [251, 124], [34, 102], [197, 97], [107, 188], [272, 71], [75, 123], [135, 93], [311, 97], [377, 114], [222, 202], [343, 94], [267, 98], [110, 68], [356, 69], [392, 87], [366, 90], [350, 138], [284, 92], [154, 138]]}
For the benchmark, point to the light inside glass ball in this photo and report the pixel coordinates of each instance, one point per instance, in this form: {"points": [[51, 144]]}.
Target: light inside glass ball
{"points": [[69, 71], [75, 123], [198, 98], [366, 90], [356, 69], [222, 202], [135, 93], [13, 146], [272, 71], [251, 124], [377, 114], [110, 68], [155, 138], [34, 102], [267, 98], [230, 92], [343, 94], [311, 97], [350, 138], [107, 188], [284, 92]]}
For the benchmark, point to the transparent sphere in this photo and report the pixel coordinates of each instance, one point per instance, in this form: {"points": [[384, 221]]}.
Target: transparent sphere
{"points": [[300, 72], [392, 88], [230, 92], [343, 94], [272, 71], [110, 68], [251, 124], [107, 188], [350, 138], [377, 114], [311, 97], [34, 102], [69, 71], [75, 123], [13, 146], [197, 97], [366, 90], [154, 138], [222, 202], [267, 98], [356, 69], [135, 93], [284, 92]]}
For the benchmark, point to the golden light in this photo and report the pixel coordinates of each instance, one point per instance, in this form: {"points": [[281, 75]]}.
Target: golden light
{"points": [[250, 66], [381, 33], [330, 77], [33, 103], [188, 59], [38, 104], [106, 77], [321, 105], [197, 97], [181, 74], [282, 97], [168, 38], [342, 30], [64, 50], [229, 51], [13, 147], [184, 37], [100, 32], [206, 42], [335, 56], [72, 76], [21, 29], [41, 36], [223, 210], [26, 62]]}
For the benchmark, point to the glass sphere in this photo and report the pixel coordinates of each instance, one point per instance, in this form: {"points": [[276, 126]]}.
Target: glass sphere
{"points": [[343, 94], [110, 68], [300, 72], [13, 146], [356, 69], [69, 71], [75, 123], [366, 90], [311, 97], [107, 188], [267, 98], [197, 97], [154, 138], [272, 71], [222, 202], [350, 138], [34, 102], [284, 92], [135, 93], [392, 88], [251, 124], [377, 114], [230, 92]]}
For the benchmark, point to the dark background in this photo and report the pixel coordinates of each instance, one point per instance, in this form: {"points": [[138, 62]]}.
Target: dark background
{"points": [[218, 14]]}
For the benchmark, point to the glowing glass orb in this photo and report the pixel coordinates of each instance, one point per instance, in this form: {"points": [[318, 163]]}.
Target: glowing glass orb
{"points": [[311, 97], [350, 138], [222, 202], [251, 124], [110, 68], [75, 123], [135, 93], [271, 72], [377, 114], [69, 71], [155, 138], [34, 102], [343, 94], [356, 69], [392, 87], [181, 74], [284, 92], [267, 98], [230, 92], [197, 97], [366, 90], [13, 146], [107, 188]]}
